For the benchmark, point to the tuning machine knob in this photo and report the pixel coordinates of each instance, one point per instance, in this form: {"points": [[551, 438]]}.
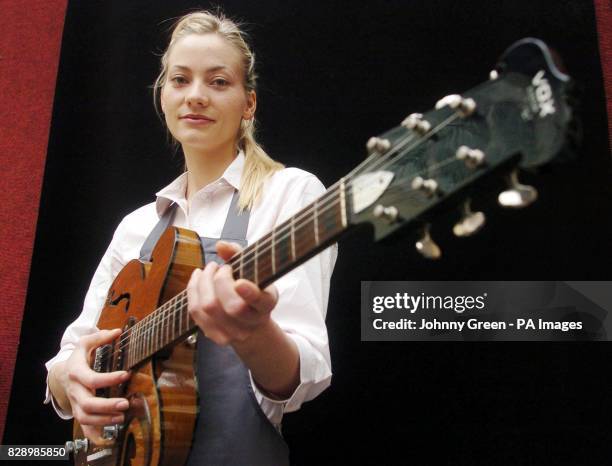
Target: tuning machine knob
{"points": [[428, 186], [470, 221], [517, 195], [387, 213], [416, 122], [464, 106], [378, 145], [427, 246], [472, 157]]}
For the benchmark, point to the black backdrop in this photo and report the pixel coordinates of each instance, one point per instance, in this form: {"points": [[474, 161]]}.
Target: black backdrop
{"points": [[333, 74]]}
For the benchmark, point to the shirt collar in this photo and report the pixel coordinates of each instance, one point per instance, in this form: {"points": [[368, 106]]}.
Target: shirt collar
{"points": [[176, 191]]}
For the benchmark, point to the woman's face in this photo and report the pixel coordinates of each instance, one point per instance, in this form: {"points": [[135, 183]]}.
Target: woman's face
{"points": [[204, 98]]}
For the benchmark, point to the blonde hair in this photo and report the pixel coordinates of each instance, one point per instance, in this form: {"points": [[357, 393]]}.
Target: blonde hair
{"points": [[258, 165]]}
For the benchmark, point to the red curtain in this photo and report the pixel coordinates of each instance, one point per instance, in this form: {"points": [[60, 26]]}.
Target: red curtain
{"points": [[604, 28], [29, 54]]}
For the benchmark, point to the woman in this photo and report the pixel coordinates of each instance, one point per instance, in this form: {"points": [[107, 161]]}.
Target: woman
{"points": [[272, 342]]}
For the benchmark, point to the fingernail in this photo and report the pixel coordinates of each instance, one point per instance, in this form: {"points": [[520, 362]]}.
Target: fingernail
{"points": [[245, 291], [122, 405], [117, 419]]}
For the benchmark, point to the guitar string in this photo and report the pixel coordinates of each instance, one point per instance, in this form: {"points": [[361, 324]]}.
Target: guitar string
{"points": [[370, 163]]}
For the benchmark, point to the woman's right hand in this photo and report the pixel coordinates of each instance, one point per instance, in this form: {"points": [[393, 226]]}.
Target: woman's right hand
{"points": [[79, 383]]}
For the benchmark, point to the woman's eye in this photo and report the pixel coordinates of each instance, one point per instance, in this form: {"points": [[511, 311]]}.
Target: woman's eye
{"points": [[179, 80], [220, 82]]}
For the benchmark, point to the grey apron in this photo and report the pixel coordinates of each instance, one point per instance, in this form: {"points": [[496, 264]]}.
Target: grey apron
{"points": [[232, 429]]}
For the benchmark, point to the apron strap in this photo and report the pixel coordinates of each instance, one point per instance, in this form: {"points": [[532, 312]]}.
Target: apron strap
{"points": [[235, 227]]}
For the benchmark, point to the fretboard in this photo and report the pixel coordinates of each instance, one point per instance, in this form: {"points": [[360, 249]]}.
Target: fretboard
{"points": [[288, 245]]}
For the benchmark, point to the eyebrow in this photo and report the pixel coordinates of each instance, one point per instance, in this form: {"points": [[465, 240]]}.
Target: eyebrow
{"points": [[208, 70]]}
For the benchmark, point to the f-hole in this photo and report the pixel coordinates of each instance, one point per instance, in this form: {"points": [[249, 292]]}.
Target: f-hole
{"points": [[121, 297]]}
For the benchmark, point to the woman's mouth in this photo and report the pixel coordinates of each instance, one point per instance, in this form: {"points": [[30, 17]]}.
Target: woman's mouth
{"points": [[197, 119]]}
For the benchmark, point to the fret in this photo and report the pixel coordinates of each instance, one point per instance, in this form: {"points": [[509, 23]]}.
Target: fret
{"points": [[240, 266], [293, 238], [140, 341], [256, 260], [160, 328], [166, 326], [147, 337], [155, 333], [343, 203], [176, 320], [247, 265], [129, 348], [151, 329], [136, 342], [272, 253], [129, 351], [316, 221], [330, 218], [265, 258], [185, 316], [305, 240], [283, 250]]}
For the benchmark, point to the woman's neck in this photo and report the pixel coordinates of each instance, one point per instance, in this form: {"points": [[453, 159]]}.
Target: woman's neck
{"points": [[204, 168]]}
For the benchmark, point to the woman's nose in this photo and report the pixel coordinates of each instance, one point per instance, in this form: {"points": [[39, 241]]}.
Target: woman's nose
{"points": [[197, 95]]}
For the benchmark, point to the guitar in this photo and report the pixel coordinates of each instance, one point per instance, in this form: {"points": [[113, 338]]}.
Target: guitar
{"points": [[517, 119]]}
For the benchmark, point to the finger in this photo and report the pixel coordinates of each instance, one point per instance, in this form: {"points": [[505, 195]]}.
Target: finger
{"points": [[206, 292], [98, 405], [94, 380], [203, 302], [97, 419], [192, 289], [225, 291], [226, 250], [261, 300], [97, 339]]}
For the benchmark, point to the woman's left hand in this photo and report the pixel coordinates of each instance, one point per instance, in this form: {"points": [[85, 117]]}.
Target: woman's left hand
{"points": [[228, 311]]}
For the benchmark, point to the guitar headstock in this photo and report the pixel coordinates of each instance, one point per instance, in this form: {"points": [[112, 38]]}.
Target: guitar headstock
{"points": [[517, 119]]}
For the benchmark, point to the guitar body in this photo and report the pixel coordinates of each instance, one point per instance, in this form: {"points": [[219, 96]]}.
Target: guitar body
{"points": [[162, 392]]}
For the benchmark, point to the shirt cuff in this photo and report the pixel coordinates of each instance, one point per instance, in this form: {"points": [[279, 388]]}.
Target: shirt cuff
{"points": [[315, 376], [63, 356]]}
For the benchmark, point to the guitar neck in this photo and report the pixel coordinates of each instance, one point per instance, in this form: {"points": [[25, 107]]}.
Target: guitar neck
{"points": [[288, 245]]}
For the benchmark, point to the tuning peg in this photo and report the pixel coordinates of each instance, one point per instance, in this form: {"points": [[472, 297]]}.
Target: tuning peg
{"points": [[464, 106], [472, 157], [428, 186], [387, 213], [415, 122], [377, 145], [517, 195], [470, 221], [427, 246]]}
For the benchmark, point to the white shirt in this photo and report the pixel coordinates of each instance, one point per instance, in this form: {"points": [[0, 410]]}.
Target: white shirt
{"points": [[303, 293]]}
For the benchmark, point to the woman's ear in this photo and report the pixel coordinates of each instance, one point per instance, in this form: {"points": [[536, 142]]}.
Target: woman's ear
{"points": [[249, 110]]}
